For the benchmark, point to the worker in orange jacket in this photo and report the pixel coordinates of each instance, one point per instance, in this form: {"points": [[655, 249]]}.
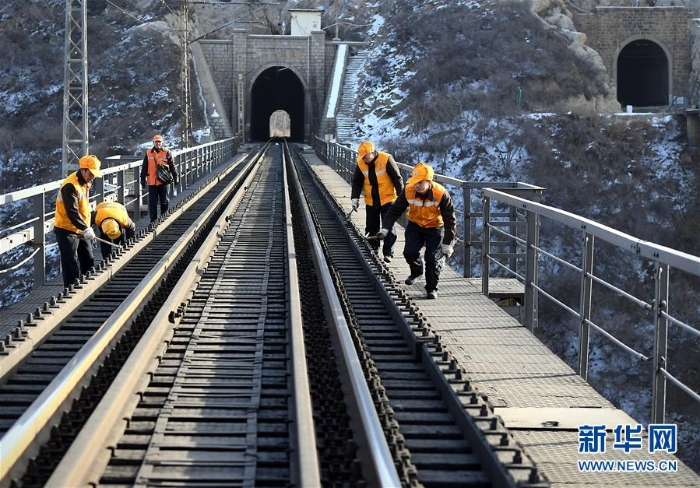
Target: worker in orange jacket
{"points": [[431, 223], [378, 175], [157, 156]]}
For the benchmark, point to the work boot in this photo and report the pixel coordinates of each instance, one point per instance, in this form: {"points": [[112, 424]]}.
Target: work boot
{"points": [[412, 279], [432, 294]]}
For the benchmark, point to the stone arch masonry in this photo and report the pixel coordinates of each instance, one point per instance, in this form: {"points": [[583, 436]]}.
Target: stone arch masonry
{"points": [[609, 29], [235, 64]]}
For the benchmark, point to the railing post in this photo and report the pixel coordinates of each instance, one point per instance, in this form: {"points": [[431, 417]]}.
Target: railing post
{"points": [[467, 231], [187, 168], [485, 247], [121, 187], [99, 185], [39, 240], [531, 243], [512, 230], [349, 164], [585, 308], [658, 398], [139, 193]]}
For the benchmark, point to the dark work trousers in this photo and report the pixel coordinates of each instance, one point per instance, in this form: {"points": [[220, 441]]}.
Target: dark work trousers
{"points": [[374, 223], [76, 255], [106, 249], [416, 238], [157, 193]]}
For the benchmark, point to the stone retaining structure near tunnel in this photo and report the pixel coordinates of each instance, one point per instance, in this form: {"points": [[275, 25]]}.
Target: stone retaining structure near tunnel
{"points": [[609, 29]]}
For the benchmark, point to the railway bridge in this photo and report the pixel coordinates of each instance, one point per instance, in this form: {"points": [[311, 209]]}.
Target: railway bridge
{"points": [[173, 362]]}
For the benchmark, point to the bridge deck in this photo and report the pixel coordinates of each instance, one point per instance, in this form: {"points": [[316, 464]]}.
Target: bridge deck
{"points": [[540, 398]]}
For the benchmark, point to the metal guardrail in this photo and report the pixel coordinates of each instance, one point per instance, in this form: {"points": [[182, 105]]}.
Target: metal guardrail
{"points": [[343, 160], [531, 216], [121, 182]]}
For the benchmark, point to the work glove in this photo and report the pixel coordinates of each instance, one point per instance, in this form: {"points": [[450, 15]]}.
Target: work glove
{"points": [[89, 234], [382, 233], [447, 250], [355, 203]]}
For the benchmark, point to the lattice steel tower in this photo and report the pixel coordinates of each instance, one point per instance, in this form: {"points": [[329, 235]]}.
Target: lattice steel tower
{"points": [[75, 90], [187, 136]]}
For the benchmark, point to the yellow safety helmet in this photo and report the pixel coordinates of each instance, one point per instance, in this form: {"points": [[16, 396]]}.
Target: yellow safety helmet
{"points": [[91, 163], [365, 148], [111, 228]]}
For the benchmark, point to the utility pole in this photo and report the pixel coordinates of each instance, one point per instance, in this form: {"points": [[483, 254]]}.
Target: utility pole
{"points": [[75, 89], [187, 137]]}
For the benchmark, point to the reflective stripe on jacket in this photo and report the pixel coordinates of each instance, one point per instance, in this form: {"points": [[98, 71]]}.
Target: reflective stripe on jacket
{"points": [[425, 213], [387, 191], [154, 158], [112, 210], [62, 221]]}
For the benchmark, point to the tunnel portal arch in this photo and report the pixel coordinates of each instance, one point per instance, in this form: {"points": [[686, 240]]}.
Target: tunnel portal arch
{"points": [[643, 74], [277, 88]]}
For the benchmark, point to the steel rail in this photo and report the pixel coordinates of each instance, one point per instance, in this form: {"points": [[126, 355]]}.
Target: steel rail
{"points": [[381, 470], [307, 459], [85, 462]]}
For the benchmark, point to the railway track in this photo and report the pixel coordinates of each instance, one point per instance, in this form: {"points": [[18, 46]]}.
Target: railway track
{"points": [[441, 431], [95, 323], [226, 383]]}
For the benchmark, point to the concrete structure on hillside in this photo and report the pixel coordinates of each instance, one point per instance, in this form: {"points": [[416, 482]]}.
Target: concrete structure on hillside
{"points": [[304, 21]]}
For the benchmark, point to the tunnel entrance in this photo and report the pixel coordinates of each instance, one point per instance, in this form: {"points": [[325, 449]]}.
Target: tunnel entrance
{"points": [[277, 88], [642, 75]]}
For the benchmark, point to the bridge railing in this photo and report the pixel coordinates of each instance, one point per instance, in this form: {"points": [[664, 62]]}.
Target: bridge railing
{"points": [[468, 205], [24, 243], [509, 227], [649, 265]]}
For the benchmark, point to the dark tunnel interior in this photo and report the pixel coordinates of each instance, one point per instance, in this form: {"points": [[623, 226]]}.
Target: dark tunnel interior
{"points": [[277, 88], [642, 75]]}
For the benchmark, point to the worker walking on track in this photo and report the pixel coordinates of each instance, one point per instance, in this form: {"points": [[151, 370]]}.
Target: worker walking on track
{"points": [[431, 223], [157, 170], [115, 225], [74, 235], [378, 175]]}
